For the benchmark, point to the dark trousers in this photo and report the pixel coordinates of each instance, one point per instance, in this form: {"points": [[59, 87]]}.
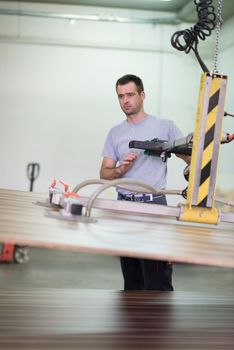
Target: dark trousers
{"points": [[146, 274]]}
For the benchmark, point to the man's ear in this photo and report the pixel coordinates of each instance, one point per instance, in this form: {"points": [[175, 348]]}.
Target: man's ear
{"points": [[143, 94]]}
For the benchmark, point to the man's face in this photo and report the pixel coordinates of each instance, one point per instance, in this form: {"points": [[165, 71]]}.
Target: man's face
{"points": [[130, 100]]}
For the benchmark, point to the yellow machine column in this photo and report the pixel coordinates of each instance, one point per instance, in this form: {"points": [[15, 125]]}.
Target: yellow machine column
{"points": [[200, 205]]}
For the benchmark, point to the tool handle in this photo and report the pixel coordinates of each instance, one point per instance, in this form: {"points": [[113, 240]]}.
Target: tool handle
{"points": [[33, 170]]}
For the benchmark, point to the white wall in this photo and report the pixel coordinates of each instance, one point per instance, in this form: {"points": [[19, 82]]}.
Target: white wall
{"points": [[57, 91]]}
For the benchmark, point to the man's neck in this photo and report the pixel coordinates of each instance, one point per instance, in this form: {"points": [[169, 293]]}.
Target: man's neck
{"points": [[136, 118]]}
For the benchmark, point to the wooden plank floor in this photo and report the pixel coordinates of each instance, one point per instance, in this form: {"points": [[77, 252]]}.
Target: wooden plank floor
{"points": [[66, 319], [23, 222]]}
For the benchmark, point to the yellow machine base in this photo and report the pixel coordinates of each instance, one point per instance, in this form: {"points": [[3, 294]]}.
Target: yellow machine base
{"points": [[199, 214]]}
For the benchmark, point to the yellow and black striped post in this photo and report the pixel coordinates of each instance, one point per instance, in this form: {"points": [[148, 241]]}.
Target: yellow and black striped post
{"points": [[200, 205]]}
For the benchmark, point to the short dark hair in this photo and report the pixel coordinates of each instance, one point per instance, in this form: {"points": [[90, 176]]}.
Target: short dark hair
{"points": [[125, 79]]}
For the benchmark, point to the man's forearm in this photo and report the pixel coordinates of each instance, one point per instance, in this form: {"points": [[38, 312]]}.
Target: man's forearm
{"points": [[112, 173], [185, 157]]}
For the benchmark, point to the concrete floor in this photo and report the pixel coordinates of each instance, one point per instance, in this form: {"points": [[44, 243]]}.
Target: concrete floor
{"points": [[60, 269]]}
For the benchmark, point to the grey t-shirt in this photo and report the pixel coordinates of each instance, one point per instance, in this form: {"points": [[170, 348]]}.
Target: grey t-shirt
{"points": [[150, 169]]}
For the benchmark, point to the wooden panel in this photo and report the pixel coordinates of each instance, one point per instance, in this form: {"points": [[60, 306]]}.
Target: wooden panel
{"points": [[23, 222], [104, 320]]}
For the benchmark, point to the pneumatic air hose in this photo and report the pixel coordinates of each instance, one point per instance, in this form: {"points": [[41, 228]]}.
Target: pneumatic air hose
{"points": [[186, 40]]}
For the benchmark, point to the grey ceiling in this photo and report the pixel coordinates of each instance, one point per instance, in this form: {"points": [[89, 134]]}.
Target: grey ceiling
{"points": [[161, 5], [185, 9]]}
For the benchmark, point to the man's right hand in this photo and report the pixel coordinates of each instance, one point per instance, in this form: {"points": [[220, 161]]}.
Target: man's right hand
{"points": [[109, 171], [127, 162]]}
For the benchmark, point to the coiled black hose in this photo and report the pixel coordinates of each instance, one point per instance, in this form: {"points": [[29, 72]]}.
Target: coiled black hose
{"points": [[186, 40]]}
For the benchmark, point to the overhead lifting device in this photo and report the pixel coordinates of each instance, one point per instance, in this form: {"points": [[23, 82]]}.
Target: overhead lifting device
{"points": [[200, 206], [204, 143]]}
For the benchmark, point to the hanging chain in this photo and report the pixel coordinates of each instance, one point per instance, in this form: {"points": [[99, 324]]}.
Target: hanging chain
{"points": [[217, 35]]}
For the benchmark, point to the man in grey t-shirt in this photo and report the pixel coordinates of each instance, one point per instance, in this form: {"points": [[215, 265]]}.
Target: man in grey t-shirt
{"points": [[120, 162]]}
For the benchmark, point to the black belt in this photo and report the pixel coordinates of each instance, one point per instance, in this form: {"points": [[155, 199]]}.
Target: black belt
{"points": [[146, 197]]}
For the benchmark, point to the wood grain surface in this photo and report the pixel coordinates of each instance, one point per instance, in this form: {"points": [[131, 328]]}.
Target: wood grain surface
{"points": [[25, 223], [65, 319]]}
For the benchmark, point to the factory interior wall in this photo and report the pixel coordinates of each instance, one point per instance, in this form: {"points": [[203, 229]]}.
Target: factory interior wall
{"points": [[57, 92]]}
